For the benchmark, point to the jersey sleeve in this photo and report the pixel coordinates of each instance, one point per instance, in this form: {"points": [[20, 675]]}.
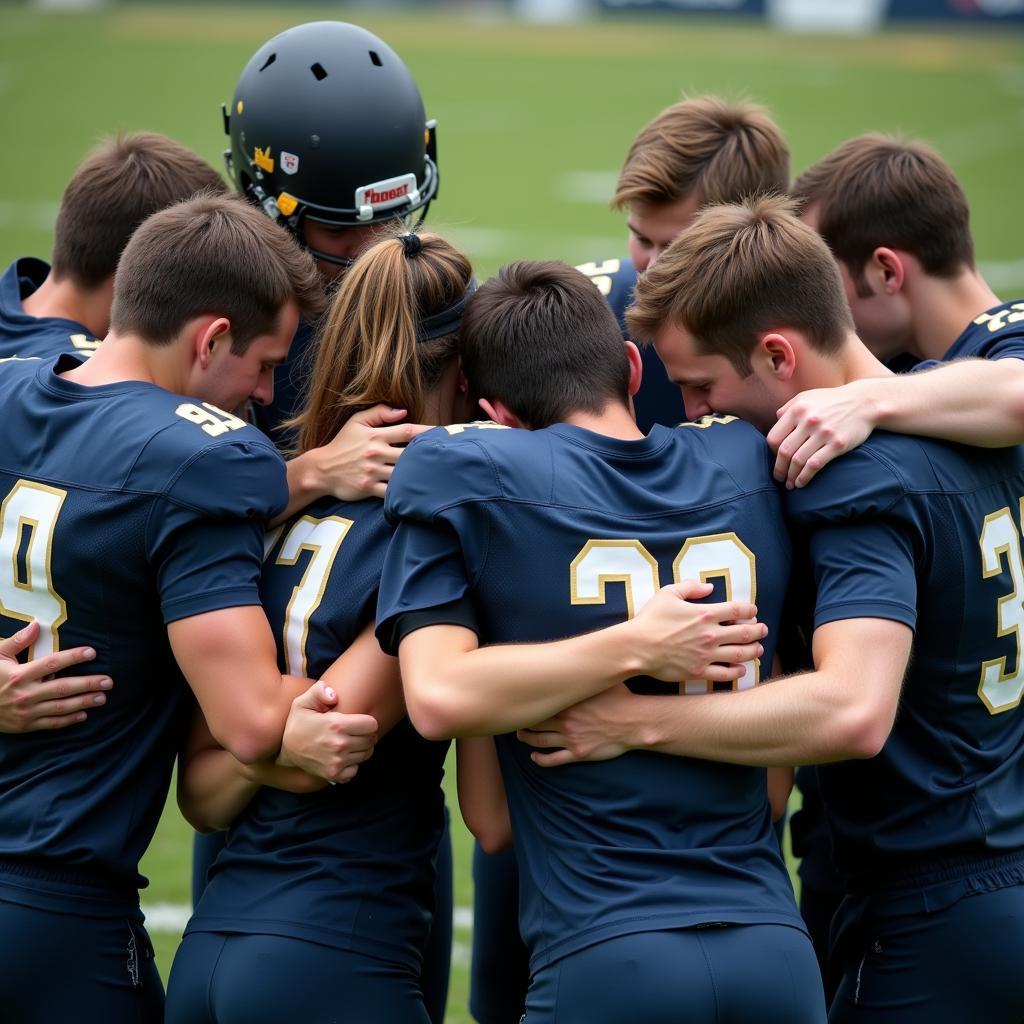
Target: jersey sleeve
{"points": [[860, 540], [441, 533], [205, 534]]}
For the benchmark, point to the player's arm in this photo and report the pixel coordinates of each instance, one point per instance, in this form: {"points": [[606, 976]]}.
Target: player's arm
{"points": [[229, 658], [482, 799], [356, 464], [970, 401], [31, 699], [214, 787], [331, 729], [454, 687], [842, 710]]}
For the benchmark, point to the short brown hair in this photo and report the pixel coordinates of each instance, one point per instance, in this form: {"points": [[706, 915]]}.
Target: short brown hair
{"points": [[882, 190], [211, 255], [541, 338], [739, 270], [718, 151], [118, 186], [370, 349]]}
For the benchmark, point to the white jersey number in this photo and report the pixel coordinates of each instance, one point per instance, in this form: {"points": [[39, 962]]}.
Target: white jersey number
{"points": [[1001, 689], [28, 518], [722, 556], [322, 538]]}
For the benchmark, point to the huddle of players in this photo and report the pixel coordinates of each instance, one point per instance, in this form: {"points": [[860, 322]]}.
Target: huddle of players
{"points": [[652, 866]]}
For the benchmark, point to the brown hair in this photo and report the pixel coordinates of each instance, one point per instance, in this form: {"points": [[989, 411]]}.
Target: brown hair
{"points": [[720, 152], [211, 255], [879, 190], [368, 350], [541, 338], [740, 270], [117, 187]]}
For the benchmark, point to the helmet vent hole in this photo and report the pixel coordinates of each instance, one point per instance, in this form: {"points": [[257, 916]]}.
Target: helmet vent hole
{"points": [[270, 60], [377, 62], [318, 72]]}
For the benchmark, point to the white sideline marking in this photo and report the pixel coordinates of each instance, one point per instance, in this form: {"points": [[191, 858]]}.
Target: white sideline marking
{"points": [[172, 917]]}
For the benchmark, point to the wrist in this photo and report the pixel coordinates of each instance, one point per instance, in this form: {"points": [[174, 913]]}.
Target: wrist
{"points": [[627, 650], [877, 400]]}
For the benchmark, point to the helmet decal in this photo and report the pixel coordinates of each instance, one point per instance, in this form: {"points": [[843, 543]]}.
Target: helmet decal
{"points": [[289, 162], [262, 159], [385, 195]]}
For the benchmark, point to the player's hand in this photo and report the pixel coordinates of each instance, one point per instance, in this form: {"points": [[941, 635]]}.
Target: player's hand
{"points": [[326, 743], [31, 700], [596, 729], [359, 461], [816, 427], [679, 640]]}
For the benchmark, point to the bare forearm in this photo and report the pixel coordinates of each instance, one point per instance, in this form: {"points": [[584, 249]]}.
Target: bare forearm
{"points": [[973, 401], [305, 484], [213, 790], [492, 690]]}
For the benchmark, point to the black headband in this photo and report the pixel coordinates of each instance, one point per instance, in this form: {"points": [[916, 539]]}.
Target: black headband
{"points": [[447, 320], [411, 243]]}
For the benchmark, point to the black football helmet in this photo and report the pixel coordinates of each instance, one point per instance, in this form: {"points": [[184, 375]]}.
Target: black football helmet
{"points": [[327, 124]]}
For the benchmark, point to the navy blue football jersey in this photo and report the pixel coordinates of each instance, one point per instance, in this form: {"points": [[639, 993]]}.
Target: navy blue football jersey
{"points": [[349, 866], [658, 400], [560, 531], [927, 534], [24, 335], [124, 508]]}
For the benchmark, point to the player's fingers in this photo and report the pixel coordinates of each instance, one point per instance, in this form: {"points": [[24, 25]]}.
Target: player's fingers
{"points": [[537, 738], [731, 662], [12, 646], [688, 590], [730, 611], [553, 759], [50, 664], [815, 464], [745, 633], [55, 722], [364, 726], [379, 415], [399, 433], [64, 706]]}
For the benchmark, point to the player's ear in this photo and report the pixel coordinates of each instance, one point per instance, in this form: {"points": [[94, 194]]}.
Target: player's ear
{"points": [[636, 367], [889, 269], [776, 353], [500, 413], [210, 332]]}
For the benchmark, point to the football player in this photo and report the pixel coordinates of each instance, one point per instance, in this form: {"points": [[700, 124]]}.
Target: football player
{"points": [[328, 136], [904, 536], [44, 310], [698, 151], [897, 220], [133, 518], [655, 882], [337, 884]]}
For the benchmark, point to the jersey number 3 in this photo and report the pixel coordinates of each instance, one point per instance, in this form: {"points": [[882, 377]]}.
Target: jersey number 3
{"points": [[28, 519], [721, 555]]}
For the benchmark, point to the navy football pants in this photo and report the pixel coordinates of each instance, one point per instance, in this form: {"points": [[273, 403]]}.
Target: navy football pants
{"points": [[963, 964], [57, 968], [268, 979], [733, 974]]}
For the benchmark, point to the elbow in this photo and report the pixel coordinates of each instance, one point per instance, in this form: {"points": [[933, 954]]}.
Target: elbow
{"points": [[493, 840], [251, 741], [433, 715], [862, 733]]}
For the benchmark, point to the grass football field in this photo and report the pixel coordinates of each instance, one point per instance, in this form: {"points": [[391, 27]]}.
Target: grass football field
{"points": [[533, 124]]}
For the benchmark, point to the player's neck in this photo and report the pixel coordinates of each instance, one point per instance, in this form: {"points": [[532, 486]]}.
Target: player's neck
{"points": [[127, 357], [943, 307], [853, 361], [65, 300], [615, 420]]}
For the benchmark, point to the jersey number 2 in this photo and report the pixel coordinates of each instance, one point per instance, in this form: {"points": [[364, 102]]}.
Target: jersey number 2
{"points": [[721, 555], [28, 518]]}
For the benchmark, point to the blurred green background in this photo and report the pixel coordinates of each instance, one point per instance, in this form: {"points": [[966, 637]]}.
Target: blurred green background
{"points": [[533, 124]]}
